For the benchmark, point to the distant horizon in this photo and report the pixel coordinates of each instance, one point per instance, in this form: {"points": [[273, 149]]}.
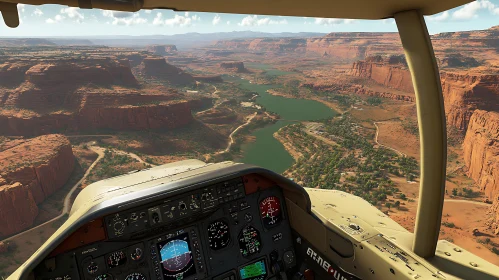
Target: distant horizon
{"points": [[49, 21], [206, 33]]}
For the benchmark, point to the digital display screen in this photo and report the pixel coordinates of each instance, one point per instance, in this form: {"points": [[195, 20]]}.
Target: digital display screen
{"points": [[254, 271], [176, 257]]}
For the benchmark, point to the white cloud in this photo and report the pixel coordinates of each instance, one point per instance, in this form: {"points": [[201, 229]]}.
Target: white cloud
{"points": [[148, 11], [73, 13], [255, 21], [21, 7], [216, 20], [177, 20], [124, 18], [57, 18], [37, 12], [388, 20], [471, 10], [333, 21], [228, 22], [439, 17]]}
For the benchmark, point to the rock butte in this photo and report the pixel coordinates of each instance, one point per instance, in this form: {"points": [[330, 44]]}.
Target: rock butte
{"points": [[481, 156], [237, 66], [30, 171], [97, 93], [162, 49]]}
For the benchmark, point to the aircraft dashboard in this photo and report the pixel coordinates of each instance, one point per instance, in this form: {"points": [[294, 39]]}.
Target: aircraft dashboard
{"points": [[224, 231]]}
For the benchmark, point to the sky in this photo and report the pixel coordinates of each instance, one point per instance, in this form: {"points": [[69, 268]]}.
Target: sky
{"points": [[57, 20]]}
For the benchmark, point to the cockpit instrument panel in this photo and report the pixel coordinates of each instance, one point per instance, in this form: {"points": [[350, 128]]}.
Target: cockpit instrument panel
{"points": [[219, 231]]}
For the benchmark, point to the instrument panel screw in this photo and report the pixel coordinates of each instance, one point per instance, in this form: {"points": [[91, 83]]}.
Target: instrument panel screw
{"points": [[298, 240], [447, 253], [473, 264], [457, 249]]}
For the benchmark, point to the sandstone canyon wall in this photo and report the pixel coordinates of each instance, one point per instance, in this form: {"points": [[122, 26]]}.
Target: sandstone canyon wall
{"points": [[156, 67], [390, 72], [351, 45], [90, 94], [29, 172], [481, 156], [463, 92]]}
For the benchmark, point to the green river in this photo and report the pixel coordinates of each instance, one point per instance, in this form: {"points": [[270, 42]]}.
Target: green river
{"points": [[266, 151]]}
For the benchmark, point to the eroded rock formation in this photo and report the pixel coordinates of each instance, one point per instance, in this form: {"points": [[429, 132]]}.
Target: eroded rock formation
{"points": [[481, 155], [237, 66], [162, 49], [156, 67], [29, 172], [391, 72], [464, 93]]}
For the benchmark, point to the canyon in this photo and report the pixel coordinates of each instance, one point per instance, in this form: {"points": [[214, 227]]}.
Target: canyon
{"points": [[481, 156], [30, 171], [88, 94]]}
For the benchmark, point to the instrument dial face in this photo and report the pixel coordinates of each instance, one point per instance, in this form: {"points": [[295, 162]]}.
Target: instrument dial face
{"points": [[92, 268], [136, 254], [105, 276], [116, 259], [136, 276], [218, 235], [270, 211], [249, 241]]}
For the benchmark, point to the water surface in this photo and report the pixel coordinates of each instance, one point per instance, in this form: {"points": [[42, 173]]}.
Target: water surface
{"points": [[266, 151]]}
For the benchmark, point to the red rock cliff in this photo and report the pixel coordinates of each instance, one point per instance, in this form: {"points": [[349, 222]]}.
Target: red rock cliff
{"points": [[481, 155], [29, 173], [162, 116], [156, 67], [394, 75], [464, 93]]}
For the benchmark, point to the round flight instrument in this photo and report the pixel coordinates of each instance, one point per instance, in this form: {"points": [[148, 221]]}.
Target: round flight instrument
{"points": [[218, 235], [175, 255], [270, 211], [116, 259], [105, 276], [136, 254], [92, 268], [249, 241], [136, 276]]}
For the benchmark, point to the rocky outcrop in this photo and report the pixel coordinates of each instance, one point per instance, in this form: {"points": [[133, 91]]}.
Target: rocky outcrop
{"points": [[158, 68], [458, 61], [464, 93], [163, 116], [162, 49], [12, 74], [237, 66], [391, 72], [29, 173], [97, 71], [481, 155]]}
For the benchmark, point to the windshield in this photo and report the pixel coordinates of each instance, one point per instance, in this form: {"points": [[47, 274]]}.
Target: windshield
{"points": [[89, 94]]}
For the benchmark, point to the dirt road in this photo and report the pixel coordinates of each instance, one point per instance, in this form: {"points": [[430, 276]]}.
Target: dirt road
{"points": [[231, 136], [390, 148]]}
